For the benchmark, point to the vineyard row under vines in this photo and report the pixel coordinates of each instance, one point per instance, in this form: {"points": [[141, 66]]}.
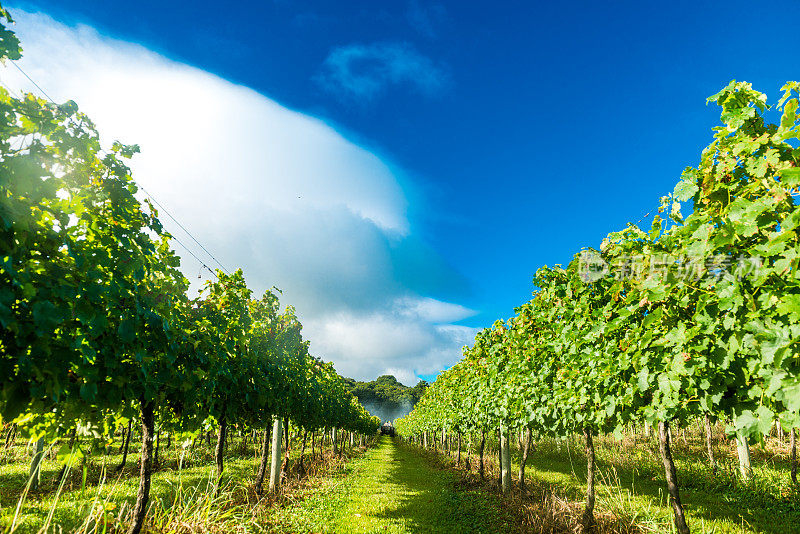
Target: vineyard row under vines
{"points": [[697, 317], [97, 328]]}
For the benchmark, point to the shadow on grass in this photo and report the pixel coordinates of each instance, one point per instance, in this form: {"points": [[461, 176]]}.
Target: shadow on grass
{"points": [[705, 496], [77, 499], [431, 501], [171, 488]]}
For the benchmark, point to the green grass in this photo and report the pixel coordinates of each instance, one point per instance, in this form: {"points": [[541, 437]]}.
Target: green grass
{"points": [[79, 501], [178, 495], [719, 503], [631, 489], [395, 489], [399, 488]]}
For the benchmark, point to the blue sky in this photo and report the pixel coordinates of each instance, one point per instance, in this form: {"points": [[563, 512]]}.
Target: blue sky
{"points": [[517, 133]]}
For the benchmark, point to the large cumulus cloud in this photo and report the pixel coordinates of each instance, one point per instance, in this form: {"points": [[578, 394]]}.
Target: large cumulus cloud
{"points": [[279, 193]]}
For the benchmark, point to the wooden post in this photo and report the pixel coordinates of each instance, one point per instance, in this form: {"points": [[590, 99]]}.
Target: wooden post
{"points": [[505, 460], [793, 446], [481, 467], [710, 443], [743, 451], [36, 464], [275, 464], [587, 521]]}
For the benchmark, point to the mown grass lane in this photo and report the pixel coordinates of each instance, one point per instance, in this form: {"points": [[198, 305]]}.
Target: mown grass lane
{"points": [[395, 489]]}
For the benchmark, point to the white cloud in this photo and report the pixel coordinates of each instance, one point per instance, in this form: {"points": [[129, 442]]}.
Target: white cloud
{"points": [[404, 376], [372, 344], [258, 152], [364, 71], [279, 193], [432, 310]]}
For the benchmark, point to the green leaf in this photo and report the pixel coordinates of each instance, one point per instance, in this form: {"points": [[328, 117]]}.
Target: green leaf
{"points": [[88, 391], [790, 177], [685, 189], [789, 305], [69, 456], [126, 331]]}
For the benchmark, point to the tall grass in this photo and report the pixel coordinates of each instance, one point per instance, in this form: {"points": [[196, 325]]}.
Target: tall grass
{"points": [[183, 498], [631, 493]]}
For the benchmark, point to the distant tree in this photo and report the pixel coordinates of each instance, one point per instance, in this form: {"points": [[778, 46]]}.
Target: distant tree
{"points": [[387, 392], [419, 390]]}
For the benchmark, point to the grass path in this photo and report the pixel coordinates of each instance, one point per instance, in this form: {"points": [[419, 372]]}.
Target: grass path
{"points": [[394, 489]]}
